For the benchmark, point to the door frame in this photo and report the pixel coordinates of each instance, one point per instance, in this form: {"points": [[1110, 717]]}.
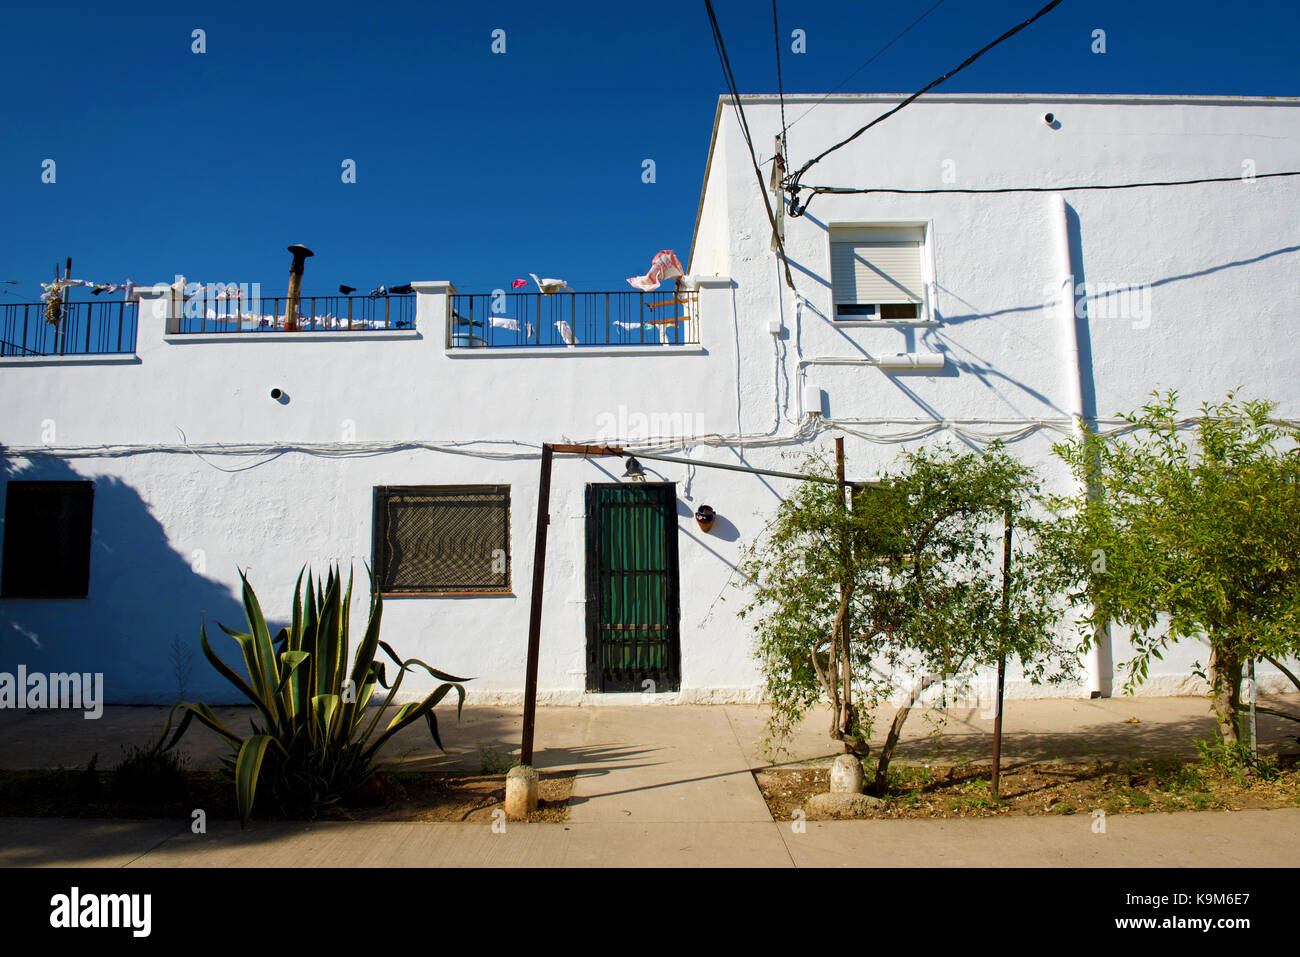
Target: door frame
{"points": [[671, 680]]}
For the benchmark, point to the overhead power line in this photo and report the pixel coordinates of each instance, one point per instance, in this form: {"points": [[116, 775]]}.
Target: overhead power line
{"points": [[793, 181], [866, 63], [817, 190], [730, 79], [780, 87]]}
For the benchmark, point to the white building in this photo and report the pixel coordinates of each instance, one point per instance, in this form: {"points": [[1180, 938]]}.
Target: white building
{"points": [[197, 470]]}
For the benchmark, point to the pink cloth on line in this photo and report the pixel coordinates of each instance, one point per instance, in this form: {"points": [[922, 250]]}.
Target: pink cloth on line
{"points": [[665, 265], [519, 284]]}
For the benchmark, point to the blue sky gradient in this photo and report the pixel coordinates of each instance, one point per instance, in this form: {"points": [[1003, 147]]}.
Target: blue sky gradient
{"points": [[479, 167]]}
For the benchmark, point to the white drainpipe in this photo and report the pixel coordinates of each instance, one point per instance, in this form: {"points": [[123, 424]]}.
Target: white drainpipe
{"points": [[1098, 662], [910, 361]]}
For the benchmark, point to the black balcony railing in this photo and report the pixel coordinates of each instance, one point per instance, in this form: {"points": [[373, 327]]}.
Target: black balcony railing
{"points": [[573, 319], [83, 329], [315, 314]]}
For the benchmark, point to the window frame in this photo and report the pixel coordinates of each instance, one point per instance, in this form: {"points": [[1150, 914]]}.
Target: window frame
{"points": [[379, 530], [9, 589], [925, 308]]}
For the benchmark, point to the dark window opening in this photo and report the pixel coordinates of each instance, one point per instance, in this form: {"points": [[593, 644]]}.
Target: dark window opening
{"points": [[882, 311], [47, 540], [442, 539]]}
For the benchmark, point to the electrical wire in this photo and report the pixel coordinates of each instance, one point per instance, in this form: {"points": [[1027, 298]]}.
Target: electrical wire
{"points": [[780, 88], [980, 431], [730, 78], [866, 63], [793, 183], [818, 190]]}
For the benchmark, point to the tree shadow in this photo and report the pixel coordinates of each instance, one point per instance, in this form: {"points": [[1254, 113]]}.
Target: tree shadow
{"points": [[145, 604]]}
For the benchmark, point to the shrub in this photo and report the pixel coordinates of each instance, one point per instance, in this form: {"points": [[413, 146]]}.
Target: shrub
{"points": [[150, 776], [313, 740]]}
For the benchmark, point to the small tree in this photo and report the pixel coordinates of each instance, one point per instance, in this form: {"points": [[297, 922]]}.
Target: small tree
{"points": [[1202, 538], [924, 590]]}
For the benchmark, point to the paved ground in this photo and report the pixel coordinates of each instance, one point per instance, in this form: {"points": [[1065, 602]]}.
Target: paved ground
{"points": [[672, 785]]}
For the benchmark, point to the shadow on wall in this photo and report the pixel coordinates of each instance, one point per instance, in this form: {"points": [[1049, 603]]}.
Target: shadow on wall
{"points": [[144, 598]]}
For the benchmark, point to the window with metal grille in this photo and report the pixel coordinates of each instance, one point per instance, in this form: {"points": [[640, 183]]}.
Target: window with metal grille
{"points": [[47, 540], [876, 272], [442, 539]]}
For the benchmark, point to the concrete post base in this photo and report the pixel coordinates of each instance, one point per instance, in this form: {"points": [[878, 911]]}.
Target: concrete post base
{"points": [[846, 775], [521, 792]]}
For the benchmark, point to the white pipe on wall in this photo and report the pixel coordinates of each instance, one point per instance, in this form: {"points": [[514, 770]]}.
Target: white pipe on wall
{"points": [[919, 361], [1098, 661]]}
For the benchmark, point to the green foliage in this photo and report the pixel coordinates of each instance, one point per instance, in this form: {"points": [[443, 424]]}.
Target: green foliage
{"points": [[150, 776], [313, 740], [492, 761], [920, 559], [1234, 760], [1201, 537]]}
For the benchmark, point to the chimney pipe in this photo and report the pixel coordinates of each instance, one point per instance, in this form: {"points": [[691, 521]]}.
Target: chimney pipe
{"points": [[300, 254]]}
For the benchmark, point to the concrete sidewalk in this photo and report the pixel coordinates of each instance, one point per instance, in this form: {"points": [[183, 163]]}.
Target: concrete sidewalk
{"points": [[1190, 839], [671, 785]]}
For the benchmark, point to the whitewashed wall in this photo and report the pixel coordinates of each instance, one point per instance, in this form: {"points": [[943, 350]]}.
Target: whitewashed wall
{"points": [[1219, 262], [172, 526]]}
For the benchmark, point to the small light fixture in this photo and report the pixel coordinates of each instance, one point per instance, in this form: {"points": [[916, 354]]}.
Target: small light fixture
{"points": [[275, 394], [634, 471], [704, 516], [1049, 118]]}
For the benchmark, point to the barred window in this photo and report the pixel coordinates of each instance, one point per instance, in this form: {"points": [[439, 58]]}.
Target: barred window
{"points": [[47, 539], [442, 539]]}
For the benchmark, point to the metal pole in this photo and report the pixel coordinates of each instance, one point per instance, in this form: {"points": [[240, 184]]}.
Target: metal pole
{"points": [[842, 638], [535, 615], [1002, 656], [1254, 693], [742, 468]]}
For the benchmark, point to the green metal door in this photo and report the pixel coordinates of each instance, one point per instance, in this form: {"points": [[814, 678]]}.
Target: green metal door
{"points": [[632, 588]]}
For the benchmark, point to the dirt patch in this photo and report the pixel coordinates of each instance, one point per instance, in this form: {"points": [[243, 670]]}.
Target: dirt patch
{"points": [[1036, 788], [411, 796]]}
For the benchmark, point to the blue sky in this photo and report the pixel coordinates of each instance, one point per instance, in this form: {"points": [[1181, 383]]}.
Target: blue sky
{"points": [[480, 167]]}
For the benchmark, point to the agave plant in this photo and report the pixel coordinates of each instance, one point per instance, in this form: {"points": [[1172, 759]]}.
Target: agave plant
{"points": [[313, 740]]}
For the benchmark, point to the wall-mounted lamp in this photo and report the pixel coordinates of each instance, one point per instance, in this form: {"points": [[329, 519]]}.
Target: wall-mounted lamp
{"points": [[704, 516], [634, 471]]}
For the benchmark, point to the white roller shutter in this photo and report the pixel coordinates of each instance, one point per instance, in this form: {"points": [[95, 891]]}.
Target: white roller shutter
{"points": [[876, 272]]}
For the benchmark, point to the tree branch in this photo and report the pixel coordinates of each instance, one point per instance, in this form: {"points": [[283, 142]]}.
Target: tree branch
{"points": [[1277, 714], [1282, 668]]}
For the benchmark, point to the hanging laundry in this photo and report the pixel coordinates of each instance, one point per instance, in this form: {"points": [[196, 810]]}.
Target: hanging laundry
{"points": [[402, 290], [519, 284], [504, 322], [378, 293], [566, 332], [347, 290], [665, 265], [549, 286]]}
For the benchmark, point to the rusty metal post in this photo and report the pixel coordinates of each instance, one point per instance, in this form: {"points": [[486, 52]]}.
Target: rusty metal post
{"points": [[1002, 655], [300, 254], [535, 614]]}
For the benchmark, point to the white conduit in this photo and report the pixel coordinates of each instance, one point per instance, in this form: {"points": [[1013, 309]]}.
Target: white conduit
{"points": [[1098, 662]]}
